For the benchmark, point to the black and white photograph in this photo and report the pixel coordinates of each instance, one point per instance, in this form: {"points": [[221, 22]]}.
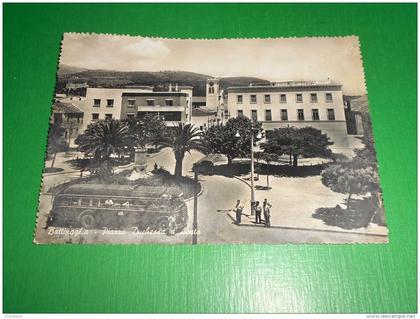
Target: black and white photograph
{"points": [[186, 141]]}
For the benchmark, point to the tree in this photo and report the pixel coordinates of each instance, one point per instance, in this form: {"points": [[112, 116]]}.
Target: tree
{"points": [[184, 138], [138, 133], [350, 177], [221, 139], [155, 129], [104, 138], [56, 141], [305, 142], [268, 158], [148, 130]]}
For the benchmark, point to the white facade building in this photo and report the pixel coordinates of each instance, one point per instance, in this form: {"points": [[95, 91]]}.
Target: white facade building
{"points": [[295, 103], [103, 103]]}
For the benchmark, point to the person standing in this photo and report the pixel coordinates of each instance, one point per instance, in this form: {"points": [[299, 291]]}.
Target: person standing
{"points": [[238, 211], [257, 209], [267, 214], [171, 225]]}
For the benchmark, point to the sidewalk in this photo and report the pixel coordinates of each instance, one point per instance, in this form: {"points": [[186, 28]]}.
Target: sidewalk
{"points": [[294, 200]]}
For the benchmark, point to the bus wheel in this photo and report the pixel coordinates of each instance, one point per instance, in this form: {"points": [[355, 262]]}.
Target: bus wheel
{"points": [[162, 225], [87, 220]]}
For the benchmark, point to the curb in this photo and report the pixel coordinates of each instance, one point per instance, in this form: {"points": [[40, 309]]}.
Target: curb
{"points": [[309, 229], [199, 193]]}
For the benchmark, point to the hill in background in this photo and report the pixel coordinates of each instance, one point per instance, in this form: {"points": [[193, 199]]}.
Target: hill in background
{"points": [[159, 80]]}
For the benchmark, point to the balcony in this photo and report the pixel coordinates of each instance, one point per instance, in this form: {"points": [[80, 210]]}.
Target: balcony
{"points": [[161, 108]]}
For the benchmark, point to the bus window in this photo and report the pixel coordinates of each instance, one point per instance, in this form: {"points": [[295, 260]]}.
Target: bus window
{"points": [[86, 202]]}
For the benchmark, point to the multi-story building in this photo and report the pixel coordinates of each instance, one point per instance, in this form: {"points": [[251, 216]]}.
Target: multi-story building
{"points": [[105, 103], [69, 117], [295, 103], [173, 106]]}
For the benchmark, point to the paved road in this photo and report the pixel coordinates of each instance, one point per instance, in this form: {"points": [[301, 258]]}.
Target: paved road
{"points": [[215, 226]]}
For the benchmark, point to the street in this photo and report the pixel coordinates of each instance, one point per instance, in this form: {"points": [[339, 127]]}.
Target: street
{"points": [[290, 214]]}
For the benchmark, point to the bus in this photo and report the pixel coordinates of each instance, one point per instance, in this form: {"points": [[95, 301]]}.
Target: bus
{"points": [[95, 206]]}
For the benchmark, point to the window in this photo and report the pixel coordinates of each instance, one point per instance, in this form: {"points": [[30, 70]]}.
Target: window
{"points": [[108, 116], [315, 114], [254, 115], [283, 98], [150, 102], [240, 113], [109, 103], [169, 102], [211, 89], [97, 102], [253, 99], [268, 115], [267, 98], [301, 115], [95, 116], [239, 99], [328, 97], [130, 115], [299, 98], [131, 103], [284, 115], [314, 98], [331, 115]]}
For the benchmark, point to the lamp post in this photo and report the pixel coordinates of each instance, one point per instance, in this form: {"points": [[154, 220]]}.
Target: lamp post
{"points": [[258, 136]]}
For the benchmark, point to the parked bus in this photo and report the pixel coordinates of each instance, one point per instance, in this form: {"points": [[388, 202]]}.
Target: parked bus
{"points": [[94, 206]]}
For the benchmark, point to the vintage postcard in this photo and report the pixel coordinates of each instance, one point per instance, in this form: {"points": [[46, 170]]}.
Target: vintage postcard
{"points": [[175, 141]]}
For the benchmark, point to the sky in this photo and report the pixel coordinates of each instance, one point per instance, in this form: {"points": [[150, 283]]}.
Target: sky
{"points": [[277, 59]]}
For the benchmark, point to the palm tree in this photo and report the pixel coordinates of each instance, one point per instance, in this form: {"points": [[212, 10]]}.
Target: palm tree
{"points": [[104, 138], [183, 139]]}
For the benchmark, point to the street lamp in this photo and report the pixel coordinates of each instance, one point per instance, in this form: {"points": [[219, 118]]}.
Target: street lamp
{"points": [[258, 136]]}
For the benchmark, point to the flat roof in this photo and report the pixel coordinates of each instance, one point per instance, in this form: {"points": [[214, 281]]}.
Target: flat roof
{"points": [[154, 94], [287, 86]]}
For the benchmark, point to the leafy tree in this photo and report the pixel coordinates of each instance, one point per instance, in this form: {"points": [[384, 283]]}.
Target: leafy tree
{"points": [[156, 130], [221, 139], [268, 158], [104, 138], [184, 138], [56, 141], [350, 177], [148, 130], [305, 142]]}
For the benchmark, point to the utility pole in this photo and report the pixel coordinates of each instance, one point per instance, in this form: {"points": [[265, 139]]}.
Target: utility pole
{"points": [[252, 175], [194, 235]]}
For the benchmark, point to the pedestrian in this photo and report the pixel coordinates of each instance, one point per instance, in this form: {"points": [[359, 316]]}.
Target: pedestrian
{"points": [[238, 210], [171, 225], [267, 215], [257, 209]]}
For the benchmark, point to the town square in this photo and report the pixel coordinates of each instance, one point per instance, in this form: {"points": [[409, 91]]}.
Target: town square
{"points": [[183, 157]]}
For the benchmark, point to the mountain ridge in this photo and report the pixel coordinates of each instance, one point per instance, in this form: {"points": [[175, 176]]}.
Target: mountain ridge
{"points": [[159, 79]]}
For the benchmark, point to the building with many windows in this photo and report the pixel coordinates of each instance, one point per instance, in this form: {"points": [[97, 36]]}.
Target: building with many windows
{"points": [[293, 103], [275, 105], [173, 106]]}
